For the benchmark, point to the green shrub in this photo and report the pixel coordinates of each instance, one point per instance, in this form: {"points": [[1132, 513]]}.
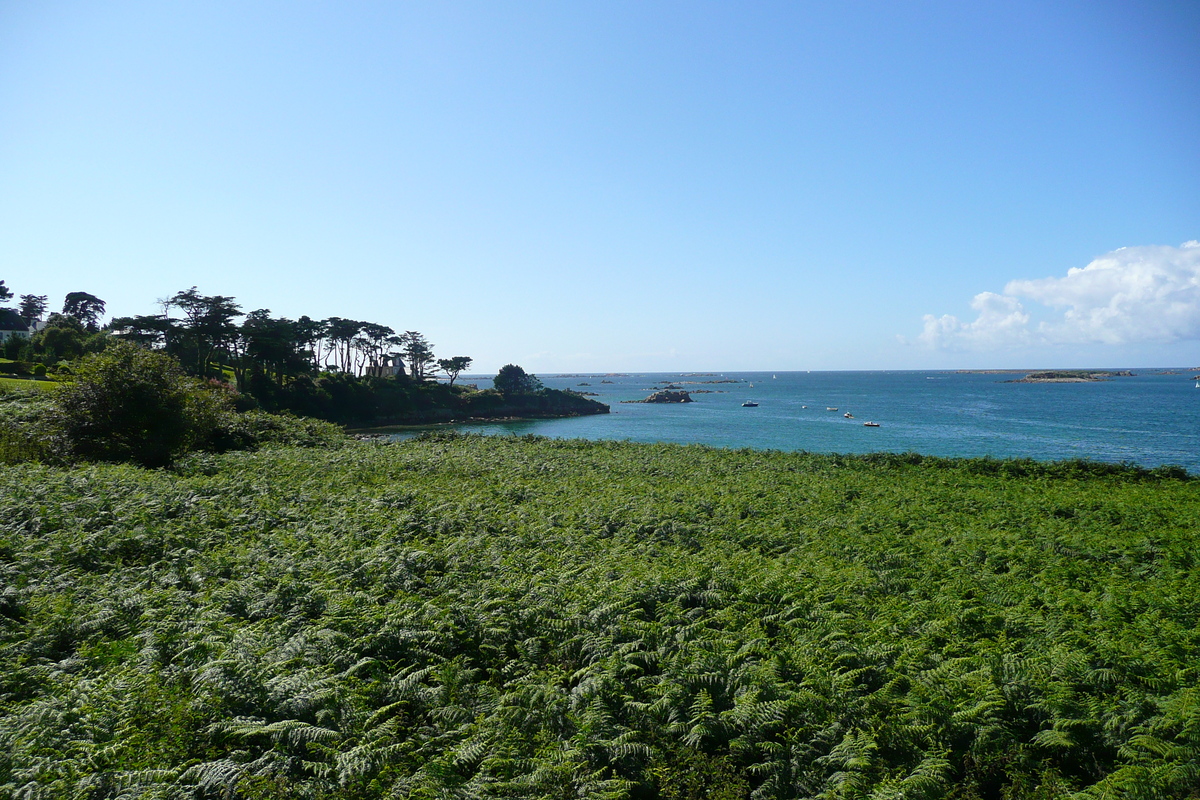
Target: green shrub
{"points": [[131, 404], [39, 370]]}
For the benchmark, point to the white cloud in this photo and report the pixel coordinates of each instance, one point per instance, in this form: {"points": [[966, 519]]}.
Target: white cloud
{"points": [[1001, 322], [1134, 294]]}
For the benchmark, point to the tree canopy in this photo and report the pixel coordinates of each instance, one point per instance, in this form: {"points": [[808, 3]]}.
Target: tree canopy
{"points": [[10, 320], [32, 307], [418, 351], [87, 308], [454, 366], [511, 379]]}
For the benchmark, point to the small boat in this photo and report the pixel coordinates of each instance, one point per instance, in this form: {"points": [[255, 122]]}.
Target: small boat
{"points": [[870, 424], [831, 408], [848, 415], [749, 404]]}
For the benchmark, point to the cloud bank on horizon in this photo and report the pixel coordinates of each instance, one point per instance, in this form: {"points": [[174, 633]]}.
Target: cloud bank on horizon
{"points": [[1131, 295]]}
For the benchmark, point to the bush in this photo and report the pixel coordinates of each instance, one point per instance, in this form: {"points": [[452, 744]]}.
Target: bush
{"points": [[39, 370], [131, 404]]}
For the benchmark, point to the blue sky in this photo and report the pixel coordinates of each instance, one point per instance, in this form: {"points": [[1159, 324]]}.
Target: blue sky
{"points": [[617, 186]]}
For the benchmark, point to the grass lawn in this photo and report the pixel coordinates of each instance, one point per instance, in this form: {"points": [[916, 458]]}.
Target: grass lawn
{"points": [[7, 384]]}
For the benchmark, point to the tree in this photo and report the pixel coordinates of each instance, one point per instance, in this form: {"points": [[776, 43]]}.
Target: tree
{"points": [[208, 326], [340, 333], [10, 320], [63, 338], [5, 293], [418, 351], [153, 331], [309, 334], [271, 348], [87, 308], [453, 366], [132, 404], [32, 307], [511, 379], [372, 341]]}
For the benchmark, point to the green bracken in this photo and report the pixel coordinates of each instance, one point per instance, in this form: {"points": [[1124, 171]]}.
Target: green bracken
{"points": [[498, 617]]}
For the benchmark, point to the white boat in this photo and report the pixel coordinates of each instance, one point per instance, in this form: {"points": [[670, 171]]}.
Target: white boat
{"points": [[848, 415], [831, 408], [749, 404], [870, 424]]}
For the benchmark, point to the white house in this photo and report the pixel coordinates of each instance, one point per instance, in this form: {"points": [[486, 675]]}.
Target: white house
{"points": [[21, 332]]}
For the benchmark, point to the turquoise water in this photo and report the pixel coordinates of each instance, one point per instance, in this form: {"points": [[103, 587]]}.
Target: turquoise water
{"points": [[1149, 419]]}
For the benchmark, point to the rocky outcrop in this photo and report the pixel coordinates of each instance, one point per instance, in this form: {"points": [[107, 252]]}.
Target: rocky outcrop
{"points": [[665, 397]]}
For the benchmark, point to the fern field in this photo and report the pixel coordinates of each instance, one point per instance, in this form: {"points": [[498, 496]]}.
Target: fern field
{"points": [[482, 617]]}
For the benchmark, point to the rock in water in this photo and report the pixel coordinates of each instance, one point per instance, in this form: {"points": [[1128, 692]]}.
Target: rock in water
{"points": [[666, 397]]}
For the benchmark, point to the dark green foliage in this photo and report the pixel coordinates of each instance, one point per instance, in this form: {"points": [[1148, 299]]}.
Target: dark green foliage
{"points": [[418, 352], [511, 379], [131, 404], [10, 320], [65, 338], [84, 307], [370, 400], [32, 307], [452, 367], [496, 617]]}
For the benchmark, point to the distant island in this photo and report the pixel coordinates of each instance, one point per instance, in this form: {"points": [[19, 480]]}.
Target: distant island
{"points": [[665, 396], [1073, 376]]}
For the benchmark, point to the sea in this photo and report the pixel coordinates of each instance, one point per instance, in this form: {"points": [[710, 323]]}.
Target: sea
{"points": [[1151, 418]]}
